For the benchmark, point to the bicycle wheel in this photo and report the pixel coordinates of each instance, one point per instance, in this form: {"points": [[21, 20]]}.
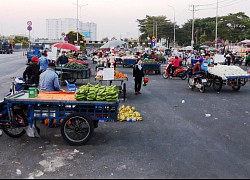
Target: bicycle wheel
{"points": [[15, 128]]}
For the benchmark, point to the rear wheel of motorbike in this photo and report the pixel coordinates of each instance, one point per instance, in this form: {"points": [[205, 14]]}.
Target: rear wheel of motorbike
{"points": [[165, 76], [184, 77], [190, 83], [202, 89], [236, 88], [217, 84], [15, 129]]}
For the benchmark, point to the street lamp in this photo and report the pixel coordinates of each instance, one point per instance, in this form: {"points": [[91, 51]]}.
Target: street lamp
{"points": [[216, 28], [174, 23], [77, 6]]}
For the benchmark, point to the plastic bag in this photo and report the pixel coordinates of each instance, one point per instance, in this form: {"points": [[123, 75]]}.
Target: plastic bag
{"points": [[32, 131]]}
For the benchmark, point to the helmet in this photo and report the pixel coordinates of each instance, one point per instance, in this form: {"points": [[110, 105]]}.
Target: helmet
{"points": [[201, 59], [34, 59]]}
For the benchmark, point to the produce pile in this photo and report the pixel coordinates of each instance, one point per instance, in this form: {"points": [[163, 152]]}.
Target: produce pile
{"points": [[97, 92], [75, 65], [150, 61], [128, 114], [224, 70], [78, 61], [117, 75]]}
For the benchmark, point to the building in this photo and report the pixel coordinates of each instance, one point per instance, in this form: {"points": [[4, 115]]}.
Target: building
{"points": [[56, 27]]}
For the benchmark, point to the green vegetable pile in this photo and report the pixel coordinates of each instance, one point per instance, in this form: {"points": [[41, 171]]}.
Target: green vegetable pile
{"points": [[150, 62], [97, 92], [75, 65]]}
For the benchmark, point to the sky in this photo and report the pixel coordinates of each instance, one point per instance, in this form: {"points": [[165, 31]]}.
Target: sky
{"points": [[114, 18]]}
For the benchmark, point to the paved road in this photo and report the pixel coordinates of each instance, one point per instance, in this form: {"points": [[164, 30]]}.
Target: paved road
{"points": [[174, 140]]}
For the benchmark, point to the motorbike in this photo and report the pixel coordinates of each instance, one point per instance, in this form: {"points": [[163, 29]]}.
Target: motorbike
{"points": [[179, 72], [18, 84], [199, 81]]}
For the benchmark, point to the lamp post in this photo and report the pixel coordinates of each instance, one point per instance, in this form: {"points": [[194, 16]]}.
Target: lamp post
{"points": [[216, 26], [77, 19], [174, 23]]}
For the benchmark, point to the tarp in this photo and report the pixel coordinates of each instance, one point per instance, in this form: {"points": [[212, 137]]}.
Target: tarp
{"points": [[113, 44]]}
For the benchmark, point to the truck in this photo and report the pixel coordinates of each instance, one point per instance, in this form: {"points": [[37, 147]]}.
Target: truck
{"points": [[34, 50], [6, 48]]}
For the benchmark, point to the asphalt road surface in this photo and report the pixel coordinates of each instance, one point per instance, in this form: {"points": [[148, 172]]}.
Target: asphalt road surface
{"points": [[207, 136]]}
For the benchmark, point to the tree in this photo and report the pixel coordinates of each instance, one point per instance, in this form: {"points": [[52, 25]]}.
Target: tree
{"points": [[147, 27], [72, 37]]}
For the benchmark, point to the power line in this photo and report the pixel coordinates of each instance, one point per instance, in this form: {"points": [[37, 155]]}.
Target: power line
{"points": [[221, 6]]}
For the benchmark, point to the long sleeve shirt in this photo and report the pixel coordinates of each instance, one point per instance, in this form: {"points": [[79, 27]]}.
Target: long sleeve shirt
{"points": [[43, 63], [49, 81]]}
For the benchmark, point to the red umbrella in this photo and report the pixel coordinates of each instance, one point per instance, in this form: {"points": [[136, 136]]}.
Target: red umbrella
{"points": [[66, 46]]}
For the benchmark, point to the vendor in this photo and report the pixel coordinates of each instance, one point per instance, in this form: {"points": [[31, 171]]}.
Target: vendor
{"points": [[63, 59], [49, 79]]}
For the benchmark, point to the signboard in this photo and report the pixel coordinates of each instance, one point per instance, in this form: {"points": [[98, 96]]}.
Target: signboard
{"points": [[53, 54], [108, 73], [29, 28], [29, 23], [86, 34]]}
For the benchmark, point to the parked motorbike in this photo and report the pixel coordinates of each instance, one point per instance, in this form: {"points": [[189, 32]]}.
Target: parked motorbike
{"points": [[199, 81], [18, 84], [179, 72]]}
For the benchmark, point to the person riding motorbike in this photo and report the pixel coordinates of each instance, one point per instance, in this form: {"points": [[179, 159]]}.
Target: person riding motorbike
{"points": [[197, 67], [175, 65]]}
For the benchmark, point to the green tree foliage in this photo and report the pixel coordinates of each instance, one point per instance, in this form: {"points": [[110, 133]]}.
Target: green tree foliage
{"points": [[72, 37], [164, 27], [233, 27]]}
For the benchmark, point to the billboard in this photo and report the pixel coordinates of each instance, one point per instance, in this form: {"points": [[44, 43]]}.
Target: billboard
{"points": [[86, 34]]}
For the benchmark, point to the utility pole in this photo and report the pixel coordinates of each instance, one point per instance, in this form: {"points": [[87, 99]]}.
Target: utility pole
{"points": [[156, 31], [192, 40], [216, 26], [77, 23], [174, 23]]}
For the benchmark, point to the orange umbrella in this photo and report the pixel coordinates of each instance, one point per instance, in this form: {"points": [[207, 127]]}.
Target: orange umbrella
{"points": [[66, 46]]}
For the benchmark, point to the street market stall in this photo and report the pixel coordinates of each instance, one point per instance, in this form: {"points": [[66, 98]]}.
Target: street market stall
{"points": [[129, 61], [73, 71], [76, 118], [151, 66], [223, 75], [109, 75]]}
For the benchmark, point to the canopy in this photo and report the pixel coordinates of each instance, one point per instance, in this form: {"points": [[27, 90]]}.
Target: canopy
{"points": [[188, 48], [113, 44], [66, 46]]}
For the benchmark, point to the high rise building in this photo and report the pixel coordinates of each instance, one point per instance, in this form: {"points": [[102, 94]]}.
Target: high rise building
{"points": [[55, 28]]}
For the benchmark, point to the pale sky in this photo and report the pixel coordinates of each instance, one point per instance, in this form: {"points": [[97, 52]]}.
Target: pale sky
{"points": [[114, 18]]}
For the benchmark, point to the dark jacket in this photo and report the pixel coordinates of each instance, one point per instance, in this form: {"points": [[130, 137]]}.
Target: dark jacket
{"points": [[137, 73], [62, 60], [31, 74]]}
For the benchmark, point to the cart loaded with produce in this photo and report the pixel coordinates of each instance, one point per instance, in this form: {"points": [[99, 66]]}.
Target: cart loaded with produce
{"points": [[118, 77], [151, 66], [76, 113], [223, 75], [73, 71]]}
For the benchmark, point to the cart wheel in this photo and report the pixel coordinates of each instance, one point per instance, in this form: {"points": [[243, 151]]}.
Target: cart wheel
{"points": [[124, 91], [77, 129], [236, 88], [184, 77], [217, 84], [165, 76], [71, 80], [16, 129]]}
